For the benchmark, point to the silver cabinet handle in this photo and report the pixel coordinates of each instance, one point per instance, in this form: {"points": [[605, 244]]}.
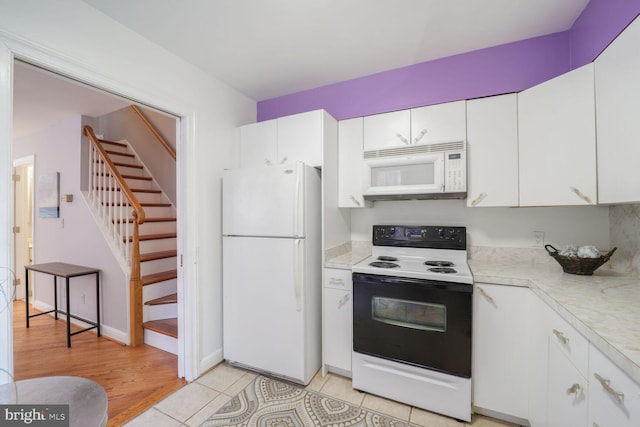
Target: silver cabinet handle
{"points": [[606, 384], [355, 201], [574, 389], [284, 159], [344, 300], [336, 281], [486, 295], [422, 133], [402, 138], [267, 162], [581, 195], [561, 336], [478, 199]]}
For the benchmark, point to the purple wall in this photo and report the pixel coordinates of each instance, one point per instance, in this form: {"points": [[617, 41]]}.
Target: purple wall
{"points": [[600, 22], [506, 68]]}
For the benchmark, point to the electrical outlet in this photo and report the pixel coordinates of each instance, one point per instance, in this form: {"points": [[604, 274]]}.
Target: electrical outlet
{"points": [[538, 239]]}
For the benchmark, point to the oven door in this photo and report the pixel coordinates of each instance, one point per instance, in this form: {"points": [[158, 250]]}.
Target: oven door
{"points": [[425, 323]]}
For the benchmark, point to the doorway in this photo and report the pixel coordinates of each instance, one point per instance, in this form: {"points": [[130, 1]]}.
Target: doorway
{"points": [[22, 221], [40, 101]]}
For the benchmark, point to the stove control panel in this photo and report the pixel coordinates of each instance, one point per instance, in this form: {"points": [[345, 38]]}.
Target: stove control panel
{"points": [[424, 236]]}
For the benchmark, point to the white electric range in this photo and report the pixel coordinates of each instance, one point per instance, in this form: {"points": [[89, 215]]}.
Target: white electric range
{"points": [[412, 318]]}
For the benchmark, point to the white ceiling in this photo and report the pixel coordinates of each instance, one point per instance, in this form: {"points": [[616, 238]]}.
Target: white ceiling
{"points": [[270, 48]]}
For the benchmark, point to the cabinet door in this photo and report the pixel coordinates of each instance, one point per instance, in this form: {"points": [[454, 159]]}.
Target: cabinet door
{"points": [[614, 398], [387, 130], [439, 123], [492, 148], [337, 329], [300, 138], [500, 357], [557, 146], [258, 144], [567, 393], [350, 136], [617, 82]]}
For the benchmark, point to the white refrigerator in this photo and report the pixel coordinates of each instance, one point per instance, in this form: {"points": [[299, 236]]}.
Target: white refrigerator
{"points": [[271, 249]]}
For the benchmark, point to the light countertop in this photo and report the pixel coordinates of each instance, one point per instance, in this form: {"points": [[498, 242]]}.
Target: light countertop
{"points": [[603, 307]]}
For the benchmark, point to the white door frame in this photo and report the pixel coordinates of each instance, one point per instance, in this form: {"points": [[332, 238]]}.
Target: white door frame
{"points": [[12, 48]]}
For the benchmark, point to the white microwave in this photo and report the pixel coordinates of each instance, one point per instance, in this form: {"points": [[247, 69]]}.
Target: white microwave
{"points": [[426, 171]]}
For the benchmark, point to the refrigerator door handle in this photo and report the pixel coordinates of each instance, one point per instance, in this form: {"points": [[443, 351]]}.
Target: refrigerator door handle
{"points": [[298, 200], [298, 259]]}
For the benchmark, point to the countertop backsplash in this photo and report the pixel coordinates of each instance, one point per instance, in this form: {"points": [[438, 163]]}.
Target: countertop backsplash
{"points": [[624, 229]]}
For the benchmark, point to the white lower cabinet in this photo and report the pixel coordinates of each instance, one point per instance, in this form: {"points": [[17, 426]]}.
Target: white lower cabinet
{"points": [[567, 391], [614, 398], [500, 350], [337, 321]]}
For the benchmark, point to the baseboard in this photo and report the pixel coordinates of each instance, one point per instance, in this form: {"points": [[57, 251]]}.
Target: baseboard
{"points": [[500, 416], [105, 330], [210, 361]]}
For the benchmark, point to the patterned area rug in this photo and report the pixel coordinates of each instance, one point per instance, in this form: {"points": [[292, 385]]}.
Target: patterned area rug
{"points": [[271, 403]]}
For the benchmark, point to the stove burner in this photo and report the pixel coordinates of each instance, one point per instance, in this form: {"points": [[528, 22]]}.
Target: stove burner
{"points": [[387, 258], [445, 270], [439, 263], [382, 264]]}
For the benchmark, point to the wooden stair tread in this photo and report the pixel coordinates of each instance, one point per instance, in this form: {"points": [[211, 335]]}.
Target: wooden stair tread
{"points": [[160, 219], [167, 299], [126, 176], [154, 205], [150, 279], [119, 144], [167, 327], [159, 236], [145, 178], [119, 153], [135, 190], [152, 256], [126, 165]]}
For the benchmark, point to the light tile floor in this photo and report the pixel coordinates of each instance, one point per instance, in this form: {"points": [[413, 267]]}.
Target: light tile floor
{"points": [[192, 404]]}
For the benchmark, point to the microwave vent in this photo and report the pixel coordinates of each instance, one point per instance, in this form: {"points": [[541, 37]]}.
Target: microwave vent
{"points": [[408, 150]]}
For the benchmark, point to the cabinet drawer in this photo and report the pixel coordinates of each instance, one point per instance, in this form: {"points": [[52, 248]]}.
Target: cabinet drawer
{"points": [[337, 278], [614, 398], [571, 343]]}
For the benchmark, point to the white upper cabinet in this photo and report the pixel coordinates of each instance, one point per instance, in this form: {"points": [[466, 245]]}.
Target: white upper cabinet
{"points": [[387, 130], [492, 150], [350, 137], [557, 146], [258, 144], [617, 81], [439, 123], [298, 137]]}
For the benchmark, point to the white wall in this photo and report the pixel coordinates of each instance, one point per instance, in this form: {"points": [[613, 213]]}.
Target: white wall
{"points": [[70, 37], [125, 124], [74, 238], [494, 227]]}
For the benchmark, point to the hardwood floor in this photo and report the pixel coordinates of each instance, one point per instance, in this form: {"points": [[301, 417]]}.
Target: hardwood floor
{"points": [[135, 378]]}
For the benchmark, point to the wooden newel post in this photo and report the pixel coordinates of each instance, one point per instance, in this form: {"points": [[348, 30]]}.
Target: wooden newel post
{"points": [[135, 289]]}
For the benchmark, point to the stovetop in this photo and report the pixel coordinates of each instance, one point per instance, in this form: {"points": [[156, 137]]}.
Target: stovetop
{"points": [[425, 252]]}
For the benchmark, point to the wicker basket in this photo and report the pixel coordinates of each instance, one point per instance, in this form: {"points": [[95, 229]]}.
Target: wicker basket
{"points": [[576, 265]]}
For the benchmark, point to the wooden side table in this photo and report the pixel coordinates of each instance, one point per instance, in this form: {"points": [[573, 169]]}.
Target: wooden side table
{"points": [[66, 271]]}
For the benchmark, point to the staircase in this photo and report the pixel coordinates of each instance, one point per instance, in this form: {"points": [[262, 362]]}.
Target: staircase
{"points": [[120, 209]]}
